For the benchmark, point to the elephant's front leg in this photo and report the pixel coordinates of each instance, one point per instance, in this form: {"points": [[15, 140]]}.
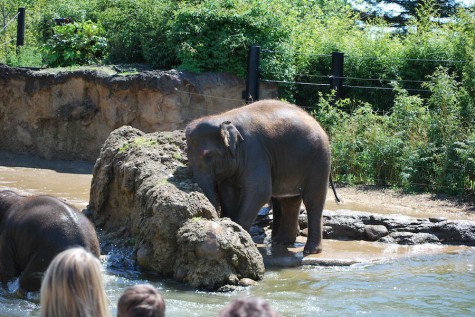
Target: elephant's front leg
{"points": [[288, 210], [254, 195]]}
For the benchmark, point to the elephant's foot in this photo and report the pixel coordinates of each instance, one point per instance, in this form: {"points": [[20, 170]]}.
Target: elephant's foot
{"points": [[283, 241], [312, 248]]}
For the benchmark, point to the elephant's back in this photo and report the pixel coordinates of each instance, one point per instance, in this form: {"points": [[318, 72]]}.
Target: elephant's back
{"points": [[52, 224], [275, 120]]}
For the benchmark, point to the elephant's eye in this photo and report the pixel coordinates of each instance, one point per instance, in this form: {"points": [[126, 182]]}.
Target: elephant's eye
{"points": [[205, 154]]}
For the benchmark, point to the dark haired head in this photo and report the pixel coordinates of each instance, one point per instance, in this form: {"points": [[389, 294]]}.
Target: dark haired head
{"points": [[141, 300], [248, 307]]}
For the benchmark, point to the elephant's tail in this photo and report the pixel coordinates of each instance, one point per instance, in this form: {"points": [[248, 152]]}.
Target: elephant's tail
{"points": [[337, 199]]}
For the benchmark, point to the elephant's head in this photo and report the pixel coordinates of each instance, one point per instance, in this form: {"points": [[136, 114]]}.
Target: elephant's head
{"points": [[212, 149]]}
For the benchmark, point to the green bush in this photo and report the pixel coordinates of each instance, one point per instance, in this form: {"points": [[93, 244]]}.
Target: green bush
{"points": [[216, 35], [422, 145], [126, 24], [24, 56], [75, 44]]}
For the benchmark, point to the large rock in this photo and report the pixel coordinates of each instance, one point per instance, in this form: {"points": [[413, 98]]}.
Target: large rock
{"points": [[142, 196], [354, 225]]}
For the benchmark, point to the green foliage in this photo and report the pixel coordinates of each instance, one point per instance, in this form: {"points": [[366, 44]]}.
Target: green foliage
{"points": [[420, 137], [75, 44], [216, 35], [127, 24], [24, 56], [422, 145]]}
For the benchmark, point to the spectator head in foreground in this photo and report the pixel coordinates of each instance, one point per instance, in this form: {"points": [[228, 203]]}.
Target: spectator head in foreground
{"points": [[73, 286], [142, 300], [248, 307]]}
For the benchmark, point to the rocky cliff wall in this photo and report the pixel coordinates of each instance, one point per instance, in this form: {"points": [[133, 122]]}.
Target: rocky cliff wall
{"points": [[69, 114]]}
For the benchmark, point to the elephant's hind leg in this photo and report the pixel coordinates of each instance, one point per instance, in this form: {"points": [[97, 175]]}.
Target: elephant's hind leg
{"points": [[287, 226], [314, 202]]}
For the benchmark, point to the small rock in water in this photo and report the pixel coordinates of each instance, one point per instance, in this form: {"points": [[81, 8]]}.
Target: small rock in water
{"points": [[247, 282]]}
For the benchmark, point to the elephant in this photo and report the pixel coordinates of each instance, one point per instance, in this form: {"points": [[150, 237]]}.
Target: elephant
{"points": [[33, 230], [267, 151]]}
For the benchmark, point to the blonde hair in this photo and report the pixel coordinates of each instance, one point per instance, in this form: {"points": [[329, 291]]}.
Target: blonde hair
{"points": [[73, 286]]}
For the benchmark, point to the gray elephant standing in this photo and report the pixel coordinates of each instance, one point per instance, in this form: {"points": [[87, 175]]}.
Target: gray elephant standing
{"points": [[268, 149], [33, 230]]}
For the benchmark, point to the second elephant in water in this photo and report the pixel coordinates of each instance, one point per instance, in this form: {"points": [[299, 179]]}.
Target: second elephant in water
{"points": [[33, 230], [268, 149]]}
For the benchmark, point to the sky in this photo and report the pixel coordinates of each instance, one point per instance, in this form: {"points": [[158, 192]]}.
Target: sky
{"points": [[394, 9]]}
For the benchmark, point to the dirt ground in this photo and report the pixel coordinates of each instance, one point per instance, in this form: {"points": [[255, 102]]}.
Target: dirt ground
{"points": [[385, 200]]}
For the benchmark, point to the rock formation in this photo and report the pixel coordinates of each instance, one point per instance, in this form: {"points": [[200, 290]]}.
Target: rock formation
{"points": [[142, 195], [400, 229], [69, 113]]}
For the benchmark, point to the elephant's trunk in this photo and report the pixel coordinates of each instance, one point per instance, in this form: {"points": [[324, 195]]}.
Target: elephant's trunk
{"points": [[208, 185]]}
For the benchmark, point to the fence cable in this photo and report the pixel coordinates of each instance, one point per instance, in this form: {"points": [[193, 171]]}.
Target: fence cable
{"points": [[371, 57], [7, 42], [294, 53], [346, 86], [292, 82], [6, 25], [384, 88], [410, 59], [362, 79], [382, 79]]}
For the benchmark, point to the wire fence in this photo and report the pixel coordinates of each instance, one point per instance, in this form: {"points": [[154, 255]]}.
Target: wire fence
{"points": [[9, 22], [361, 83], [20, 29]]}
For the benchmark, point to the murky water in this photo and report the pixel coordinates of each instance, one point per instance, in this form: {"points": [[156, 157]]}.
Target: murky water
{"points": [[419, 281]]}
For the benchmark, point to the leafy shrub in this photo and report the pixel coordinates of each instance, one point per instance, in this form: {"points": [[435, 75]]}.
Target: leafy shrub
{"points": [[216, 35], [127, 24], [25, 56], [422, 145], [75, 44]]}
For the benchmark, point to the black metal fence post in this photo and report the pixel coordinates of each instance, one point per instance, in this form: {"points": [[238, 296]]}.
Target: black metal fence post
{"points": [[20, 33], [337, 75], [251, 93]]}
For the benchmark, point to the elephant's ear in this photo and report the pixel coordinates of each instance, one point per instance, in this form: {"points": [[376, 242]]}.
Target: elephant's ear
{"points": [[231, 136]]}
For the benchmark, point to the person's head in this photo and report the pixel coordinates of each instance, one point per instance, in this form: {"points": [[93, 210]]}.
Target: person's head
{"points": [[248, 307], [142, 300], [72, 286]]}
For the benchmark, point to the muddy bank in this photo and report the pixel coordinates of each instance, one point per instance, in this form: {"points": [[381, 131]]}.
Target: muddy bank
{"points": [[68, 114]]}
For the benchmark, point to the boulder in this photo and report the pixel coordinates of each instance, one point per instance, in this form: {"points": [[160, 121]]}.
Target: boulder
{"points": [[375, 232], [142, 197], [220, 245], [400, 229]]}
